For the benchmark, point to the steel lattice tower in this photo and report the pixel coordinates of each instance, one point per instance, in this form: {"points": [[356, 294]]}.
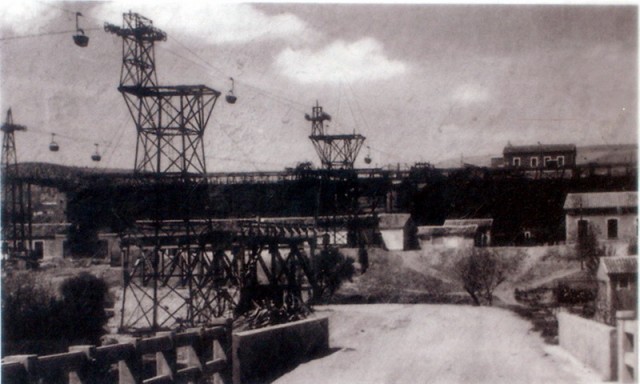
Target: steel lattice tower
{"points": [[170, 120], [169, 260], [339, 187], [335, 151], [16, 213]]}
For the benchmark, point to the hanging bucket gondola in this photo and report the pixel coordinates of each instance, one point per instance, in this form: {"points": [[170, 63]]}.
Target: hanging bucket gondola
{"points": [[367, 158], [53, 146], [231, 98], [80, 38], [96, 156]]}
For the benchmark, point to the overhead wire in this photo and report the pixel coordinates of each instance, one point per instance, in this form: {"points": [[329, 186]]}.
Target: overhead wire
{"points": [[207, 65], [116, 139], [51, 33]]}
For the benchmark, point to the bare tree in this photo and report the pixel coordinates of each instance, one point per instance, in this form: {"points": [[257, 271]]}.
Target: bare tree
{"points": [[482, 270]]}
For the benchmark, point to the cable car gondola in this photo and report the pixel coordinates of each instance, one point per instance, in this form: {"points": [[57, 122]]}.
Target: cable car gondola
{"points": [[96, 156], [367, 159], [231, 98], [80, 39], [53, 146]]}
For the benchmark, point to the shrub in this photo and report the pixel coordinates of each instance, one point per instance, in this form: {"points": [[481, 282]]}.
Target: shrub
{"points": [[564, 294], [83, 299], [331, 269], [35, 321]]}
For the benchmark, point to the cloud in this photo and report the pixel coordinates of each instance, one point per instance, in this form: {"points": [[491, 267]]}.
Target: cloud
{"points": [[339, 61], [24, 17], [470, 94], [215, 23]]}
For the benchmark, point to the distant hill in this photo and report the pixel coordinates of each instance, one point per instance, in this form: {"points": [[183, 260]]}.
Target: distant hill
{"points": [[595, 154], [478, 161], [607, 154], [63, 175]]}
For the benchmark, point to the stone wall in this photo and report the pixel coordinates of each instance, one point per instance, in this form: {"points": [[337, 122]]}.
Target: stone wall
{"points": [[590, 342], [261, 355]]}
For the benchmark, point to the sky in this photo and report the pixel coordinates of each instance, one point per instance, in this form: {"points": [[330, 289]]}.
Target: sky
{"points": [[422, 82]]}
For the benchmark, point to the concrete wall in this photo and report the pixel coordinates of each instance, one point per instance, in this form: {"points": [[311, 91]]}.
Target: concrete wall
{"points": [[626, 226], [590, 342], [259, 355], [51, 247], [447, 242], [393, 239]]}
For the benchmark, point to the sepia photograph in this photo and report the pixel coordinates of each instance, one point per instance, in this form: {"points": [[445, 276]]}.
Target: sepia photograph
{"points": [[314, 192]]}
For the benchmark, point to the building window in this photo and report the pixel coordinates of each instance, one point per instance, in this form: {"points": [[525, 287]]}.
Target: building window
{"points": [[583, 229], [547, 160], [560, 161], [534, 162], [623, 283], [612, 228], [38, 249], [516, 161]]}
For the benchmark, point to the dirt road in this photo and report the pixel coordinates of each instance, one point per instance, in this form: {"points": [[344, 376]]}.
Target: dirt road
{"points": [[396, 343]]}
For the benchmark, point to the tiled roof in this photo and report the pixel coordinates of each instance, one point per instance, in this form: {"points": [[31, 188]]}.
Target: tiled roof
{"points": [[443, 231], [45, 230], [601, 200], [478, 222], [393, 220], [620, 264], [539, 148]]}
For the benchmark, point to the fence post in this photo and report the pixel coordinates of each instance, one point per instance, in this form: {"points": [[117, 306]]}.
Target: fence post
{"points": [[89, 373], [222, 349], [627, 346], [166, 361], [191, 354], [30, 372], [130, 369]]}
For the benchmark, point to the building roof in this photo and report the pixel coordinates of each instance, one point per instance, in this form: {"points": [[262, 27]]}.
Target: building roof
{"points": [[619, 264], [49, 230], [601, 200], [443, 231], [479, 222], [539, 148], [393, 220]]}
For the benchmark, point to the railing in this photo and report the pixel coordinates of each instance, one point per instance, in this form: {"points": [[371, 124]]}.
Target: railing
{"points": [[627, 346], [186, 357]]}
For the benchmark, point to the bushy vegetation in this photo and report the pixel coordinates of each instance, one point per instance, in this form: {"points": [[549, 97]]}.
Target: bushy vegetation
{"points": [[588, 251], [332, 268], [36, 320]]}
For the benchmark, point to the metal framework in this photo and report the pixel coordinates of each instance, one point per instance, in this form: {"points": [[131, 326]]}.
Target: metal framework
{"points": [[219, 269], [170, 120], [187, 272], [16, 210], [335, 151]]}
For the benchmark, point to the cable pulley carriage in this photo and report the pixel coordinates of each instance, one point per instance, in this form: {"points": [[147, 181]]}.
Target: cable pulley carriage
{"points": [[230, 97], [80, 38], [96, 155], [53, 146]]}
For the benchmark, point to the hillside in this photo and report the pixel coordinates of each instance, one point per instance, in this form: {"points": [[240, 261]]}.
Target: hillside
{"points": [[428, 277]]}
